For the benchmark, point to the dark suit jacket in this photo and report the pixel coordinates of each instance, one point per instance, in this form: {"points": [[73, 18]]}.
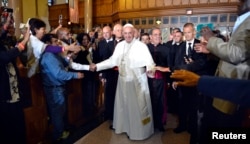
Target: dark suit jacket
{"points": [[199, 60], [103, 52], [159, 54], [236, 91]]}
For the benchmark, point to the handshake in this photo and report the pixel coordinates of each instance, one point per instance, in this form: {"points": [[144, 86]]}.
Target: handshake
{"points": [[92, 67]]}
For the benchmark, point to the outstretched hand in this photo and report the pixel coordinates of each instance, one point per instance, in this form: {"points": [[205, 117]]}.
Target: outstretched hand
{"points": [[185, 78], [80, 75], [162, 69], [92, 67], [73, 47]]}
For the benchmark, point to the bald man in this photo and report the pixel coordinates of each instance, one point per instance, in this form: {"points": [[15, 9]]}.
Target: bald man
{"points": [[104, 51], [117, 32]]}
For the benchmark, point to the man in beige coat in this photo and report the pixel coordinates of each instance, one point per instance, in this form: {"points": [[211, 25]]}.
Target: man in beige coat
{"points": [[235, 62]]}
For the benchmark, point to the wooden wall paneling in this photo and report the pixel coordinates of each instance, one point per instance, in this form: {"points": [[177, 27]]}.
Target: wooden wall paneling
{"points": [[213, 1], [168, 2], [159, 3], [103, 20], [174, 11], [129, 4], [36, 119], [122, 5], [204, 1], [37, 93], [194, 2], [98, 11], [55, 11], [224, 1], [75, 101], [177, 2], [136, 4], [144, 4], [103, 8], [74, 12], [81, 10], [115, 6], [36, 123], [116, 17], [151, 3], [184, 2]]}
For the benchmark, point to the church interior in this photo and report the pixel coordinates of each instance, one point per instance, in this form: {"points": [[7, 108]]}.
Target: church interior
{"points": [[88, 125]]}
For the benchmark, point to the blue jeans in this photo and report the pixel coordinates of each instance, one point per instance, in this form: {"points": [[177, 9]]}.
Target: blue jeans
{"points": [[55, 97]]}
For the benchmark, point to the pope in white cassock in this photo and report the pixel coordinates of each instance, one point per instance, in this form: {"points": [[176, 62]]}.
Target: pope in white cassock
{"points": [[132, 110]]}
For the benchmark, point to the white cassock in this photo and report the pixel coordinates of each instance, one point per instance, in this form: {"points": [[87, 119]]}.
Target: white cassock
{"points": [[132, 110]]}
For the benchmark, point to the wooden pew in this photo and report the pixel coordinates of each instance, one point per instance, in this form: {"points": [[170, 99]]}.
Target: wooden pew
{"points": [[38, 129]]}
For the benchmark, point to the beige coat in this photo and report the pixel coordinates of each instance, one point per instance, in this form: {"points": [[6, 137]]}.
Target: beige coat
{"points": [[235, 60]]}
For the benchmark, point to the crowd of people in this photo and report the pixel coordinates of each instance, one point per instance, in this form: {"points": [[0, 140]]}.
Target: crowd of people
{"points": [[143, 77]]}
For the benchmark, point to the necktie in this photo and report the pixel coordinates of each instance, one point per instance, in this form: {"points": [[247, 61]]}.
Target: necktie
{"points": [[189, 49]]}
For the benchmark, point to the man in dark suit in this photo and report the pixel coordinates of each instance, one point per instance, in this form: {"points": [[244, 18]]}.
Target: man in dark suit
{"points": [[109, 77], [157, 83], [173, 46], [172, 37], [187, 58]]}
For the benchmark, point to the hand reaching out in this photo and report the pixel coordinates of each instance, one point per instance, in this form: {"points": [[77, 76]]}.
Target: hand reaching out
{"points": [[80, 75], [185, 78], [162, 69], [73, 47], [92, 67]]}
